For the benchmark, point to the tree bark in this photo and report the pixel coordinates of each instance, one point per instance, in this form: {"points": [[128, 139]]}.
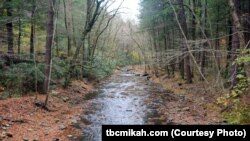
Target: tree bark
{"points": [[32, 30], [238, 40], [194, 21], [19, 35], [56, 36], [183, 23], [68, 23], [205, 45], [193, 26], [9, 27], [217, 41], [229, 46], [48, 53], [181, 62], [235, 11], [247, 24]]}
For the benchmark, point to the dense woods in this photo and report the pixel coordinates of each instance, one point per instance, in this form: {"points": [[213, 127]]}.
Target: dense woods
{"points": [[45, 43], [49, 43], [202, 41], [197, 38]]}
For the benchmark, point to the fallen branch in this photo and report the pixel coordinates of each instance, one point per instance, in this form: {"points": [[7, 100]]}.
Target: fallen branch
{"points": [[16, 120], [227, 108], [42, 105]]}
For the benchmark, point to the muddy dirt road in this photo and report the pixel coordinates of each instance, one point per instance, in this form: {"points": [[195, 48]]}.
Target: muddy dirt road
{"points": [[121, 99]]}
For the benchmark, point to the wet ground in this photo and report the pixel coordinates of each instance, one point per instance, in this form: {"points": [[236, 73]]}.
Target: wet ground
{"points": [[122, 99]]}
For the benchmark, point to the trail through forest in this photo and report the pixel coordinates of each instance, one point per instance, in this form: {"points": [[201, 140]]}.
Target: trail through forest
{"points": [[129, 96], [69, 66]]}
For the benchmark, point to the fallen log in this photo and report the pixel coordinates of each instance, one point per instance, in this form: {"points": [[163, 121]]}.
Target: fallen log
{"points": [[8, 59]]}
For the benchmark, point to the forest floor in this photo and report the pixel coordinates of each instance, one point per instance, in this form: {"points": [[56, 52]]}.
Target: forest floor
{"points": [[21, 120], [195, 103]]}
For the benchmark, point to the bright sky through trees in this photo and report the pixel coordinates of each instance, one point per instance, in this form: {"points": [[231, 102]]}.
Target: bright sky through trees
{"points": [[130, 9]]}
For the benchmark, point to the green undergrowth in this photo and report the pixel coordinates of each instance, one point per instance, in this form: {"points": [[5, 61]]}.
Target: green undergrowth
{"points": [[235, 108], [239, 114], [22, 78]]}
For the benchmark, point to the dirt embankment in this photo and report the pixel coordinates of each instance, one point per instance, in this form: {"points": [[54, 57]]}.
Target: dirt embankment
{"points": [[21, 120], [186, 103]]}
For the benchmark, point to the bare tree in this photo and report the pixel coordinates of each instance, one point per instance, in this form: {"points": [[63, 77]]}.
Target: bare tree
{"points": [[94, 9], [108, 16]]}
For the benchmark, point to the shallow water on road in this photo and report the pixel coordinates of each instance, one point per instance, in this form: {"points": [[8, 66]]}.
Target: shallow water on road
{"points": [[120, 100]]}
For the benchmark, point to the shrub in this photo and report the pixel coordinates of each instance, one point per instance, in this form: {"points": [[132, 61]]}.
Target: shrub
{"points": [[22, 78]]}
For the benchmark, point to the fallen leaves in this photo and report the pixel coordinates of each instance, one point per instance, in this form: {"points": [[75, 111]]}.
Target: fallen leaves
{"points": [[187, 104], [20, 119]]}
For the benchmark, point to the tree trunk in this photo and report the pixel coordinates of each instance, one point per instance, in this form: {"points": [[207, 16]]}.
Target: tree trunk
{"points": [[193, 27], [183, 23], [19, 34], [217, 41], [56, 37], [181, 62], [48, 53], [9, 27], [236, 38], [165, 38], [91, 19], [68, 23], [94, 9], [229, 46], [247, 24], [32, 30], [235, 11], [156, 54], [194, 21], [205, 45], [172, 46]]}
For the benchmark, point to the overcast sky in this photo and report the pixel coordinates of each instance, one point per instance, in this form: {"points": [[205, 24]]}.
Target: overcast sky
{"points": [[130, 9]]}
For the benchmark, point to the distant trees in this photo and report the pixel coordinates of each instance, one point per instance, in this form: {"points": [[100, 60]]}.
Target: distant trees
{"points": [[83, 35], [214, 37], [93, 11]]}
